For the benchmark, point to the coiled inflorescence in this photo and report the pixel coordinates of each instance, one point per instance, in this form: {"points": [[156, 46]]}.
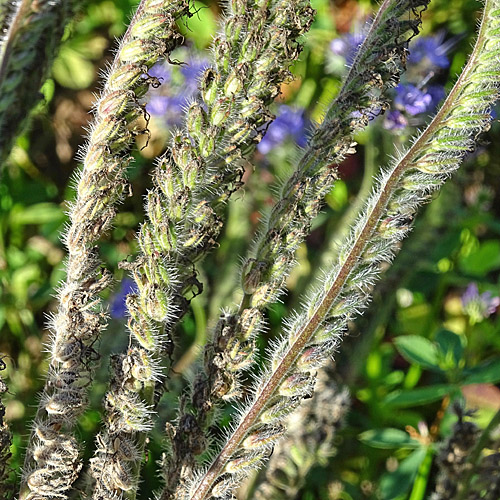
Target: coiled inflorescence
{"points": [[263, 275], [30, 33], [192, 182], [52, 462], [313, 334]]}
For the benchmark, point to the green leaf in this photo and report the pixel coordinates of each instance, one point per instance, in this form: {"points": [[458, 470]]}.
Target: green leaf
{"points": [[40, 213], [418, 350], [420, 396], [450, 346], [72, 70], [201, 27], [484, 260], [485, 373], [388, 438], [396, 484]]}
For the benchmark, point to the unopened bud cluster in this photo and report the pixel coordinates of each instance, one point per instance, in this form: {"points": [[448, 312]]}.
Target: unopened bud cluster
{"points": [[78, 322], [252, 56], [313, 334], [27, 48]]}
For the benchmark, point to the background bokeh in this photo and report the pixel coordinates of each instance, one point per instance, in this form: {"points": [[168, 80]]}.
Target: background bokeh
{"points": [[443, 288]]}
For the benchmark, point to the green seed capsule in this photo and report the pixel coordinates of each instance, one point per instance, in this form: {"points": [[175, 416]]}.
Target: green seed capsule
{"points": [[219, 113], [115, 103], [138, 51], [125, 77], [208, 85], [150, 26], [144, 334]]}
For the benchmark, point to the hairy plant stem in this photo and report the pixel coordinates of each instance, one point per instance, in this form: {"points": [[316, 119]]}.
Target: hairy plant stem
{"points": [[374, 239], [191, 184], [52, 460], [30, 44]]}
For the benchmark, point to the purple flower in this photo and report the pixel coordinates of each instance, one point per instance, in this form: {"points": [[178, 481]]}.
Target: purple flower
{"points": [[288, 124], [347, 46], [412, 99], [431, 49], [118, 308], [192, 72], [478, 307], [395, 120], [168, 101], [161, 71]]}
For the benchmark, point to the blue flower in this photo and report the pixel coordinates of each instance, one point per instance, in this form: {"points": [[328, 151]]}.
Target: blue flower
{"points": [[118, 308], [478, 307], [395, 120], [430, 49], [413, 100], [161, 71], [168, 101], [347, 46], [192, 72], [288, 124]]}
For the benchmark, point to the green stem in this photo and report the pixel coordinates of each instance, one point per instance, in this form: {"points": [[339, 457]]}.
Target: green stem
{"points": [[420, 483]]}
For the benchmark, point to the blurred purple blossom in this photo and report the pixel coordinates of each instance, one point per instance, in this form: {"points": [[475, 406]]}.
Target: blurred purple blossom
{"points": [[347, 46], [161, 71], [290, 123], [415, 101], [431, 49], [395, 120], [168, 101], [478, 307], [118, 308], [192, 72], [437, 94], [412, 99]]}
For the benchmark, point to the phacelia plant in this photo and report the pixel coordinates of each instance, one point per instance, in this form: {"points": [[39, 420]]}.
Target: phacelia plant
{"points": [[225, 117]]}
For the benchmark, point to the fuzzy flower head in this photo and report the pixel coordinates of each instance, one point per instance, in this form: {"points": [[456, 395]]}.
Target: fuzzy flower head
{"points": [[412, 100], [395, 120], [289, 124], [478, 306]]}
